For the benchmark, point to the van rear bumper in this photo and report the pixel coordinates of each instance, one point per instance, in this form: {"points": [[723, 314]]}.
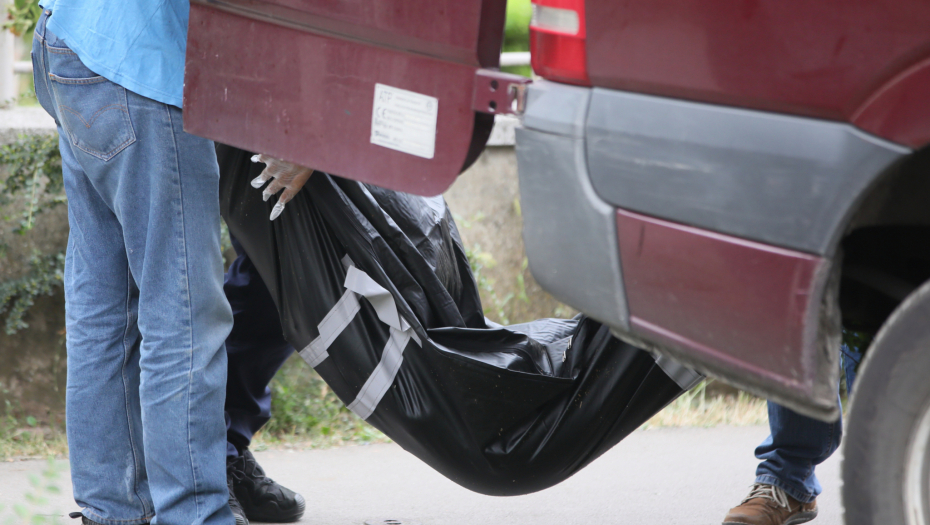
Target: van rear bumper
{"points": [[694, 245]]}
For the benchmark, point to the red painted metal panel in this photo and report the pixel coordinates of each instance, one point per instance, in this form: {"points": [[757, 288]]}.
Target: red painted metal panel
{"points": [[296, 79], [900, 110], [821, 58], [737, 305], [464, 31]]}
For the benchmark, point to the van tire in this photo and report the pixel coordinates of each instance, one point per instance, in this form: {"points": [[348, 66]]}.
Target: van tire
{"points": [[886, 479]]}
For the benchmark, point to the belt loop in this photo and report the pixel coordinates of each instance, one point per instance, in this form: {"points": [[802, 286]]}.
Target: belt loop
{"points": [[40, 25]]}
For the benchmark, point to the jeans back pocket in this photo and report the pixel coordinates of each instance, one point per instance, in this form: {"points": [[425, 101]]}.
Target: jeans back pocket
{"points": [[93, 111]]}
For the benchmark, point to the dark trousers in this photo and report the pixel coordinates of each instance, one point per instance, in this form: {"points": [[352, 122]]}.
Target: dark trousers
{"points": [[256, 349]]}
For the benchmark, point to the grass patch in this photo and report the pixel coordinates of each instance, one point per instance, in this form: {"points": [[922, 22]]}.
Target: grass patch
{"points": [[305, 413], [23, 436], [696, 409], [22, 440]]}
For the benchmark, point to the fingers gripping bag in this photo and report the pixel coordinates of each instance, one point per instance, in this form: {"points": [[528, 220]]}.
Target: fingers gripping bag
{"points": [[374, 289]]}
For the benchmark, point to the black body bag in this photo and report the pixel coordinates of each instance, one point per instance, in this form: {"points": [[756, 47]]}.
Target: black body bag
{"points": [[374, 289]]}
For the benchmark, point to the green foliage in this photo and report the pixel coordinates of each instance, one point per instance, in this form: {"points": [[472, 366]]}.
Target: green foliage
{"points": [[18, 295], [499, 308], [495, 307], [855, 344], [517, 33], [33, 166], [857, 341], [24, 435], [21, 19], [34, 184], [517, 28], [521, 283], [22, 16]]}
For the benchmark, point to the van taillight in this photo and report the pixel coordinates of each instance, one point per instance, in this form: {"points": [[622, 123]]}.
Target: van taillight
{"points": [[557, 41]]}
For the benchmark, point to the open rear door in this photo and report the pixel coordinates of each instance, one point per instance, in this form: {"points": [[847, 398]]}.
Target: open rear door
{"points": [[397, 93]]}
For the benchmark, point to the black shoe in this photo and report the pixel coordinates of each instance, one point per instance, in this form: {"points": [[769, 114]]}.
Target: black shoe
{"points": [[261, 498], [234, 504]]}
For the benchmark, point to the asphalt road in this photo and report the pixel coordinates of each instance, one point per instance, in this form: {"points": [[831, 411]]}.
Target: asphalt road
{"points": [[663, 476]]}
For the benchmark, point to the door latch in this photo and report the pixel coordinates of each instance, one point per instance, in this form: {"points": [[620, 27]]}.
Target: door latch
{"points": [[499, 93]]}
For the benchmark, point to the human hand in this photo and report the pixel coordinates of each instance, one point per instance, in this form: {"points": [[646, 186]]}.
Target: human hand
{"points": [[287, 176]]}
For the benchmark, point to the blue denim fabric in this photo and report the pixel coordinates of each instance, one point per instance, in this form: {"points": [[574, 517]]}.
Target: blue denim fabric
{"points": [[256, 349], [145, 312], [850, 359], [797, 444]]}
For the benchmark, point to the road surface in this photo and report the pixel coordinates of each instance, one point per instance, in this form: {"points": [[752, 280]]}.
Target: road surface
{"points": [[663, 476]]}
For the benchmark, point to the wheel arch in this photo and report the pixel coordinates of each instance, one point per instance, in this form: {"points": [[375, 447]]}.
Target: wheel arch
{"points": [[883, 251]]}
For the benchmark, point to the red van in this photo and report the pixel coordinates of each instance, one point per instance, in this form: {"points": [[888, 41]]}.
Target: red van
{"points": [[725, 182]]}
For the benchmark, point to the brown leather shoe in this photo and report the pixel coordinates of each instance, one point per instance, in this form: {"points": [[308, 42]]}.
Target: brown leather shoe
{"points": [[769, 505]]}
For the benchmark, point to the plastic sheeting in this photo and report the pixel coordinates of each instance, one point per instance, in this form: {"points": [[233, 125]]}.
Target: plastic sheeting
{"points": [[375, 290]]}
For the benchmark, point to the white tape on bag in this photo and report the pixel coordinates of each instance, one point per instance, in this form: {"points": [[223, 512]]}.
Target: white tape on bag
{"points": [[341, 315], [330, 327]]}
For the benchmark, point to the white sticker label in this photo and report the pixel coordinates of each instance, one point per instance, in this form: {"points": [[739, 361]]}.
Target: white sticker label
{"points": [[404, 121]]}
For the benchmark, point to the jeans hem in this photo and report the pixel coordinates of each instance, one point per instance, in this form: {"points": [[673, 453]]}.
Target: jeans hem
{"points": [[790, 489], [135, 521]]}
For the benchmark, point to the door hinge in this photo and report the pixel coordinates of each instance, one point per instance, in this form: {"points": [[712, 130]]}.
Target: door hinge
{"points": [[499, 93]]}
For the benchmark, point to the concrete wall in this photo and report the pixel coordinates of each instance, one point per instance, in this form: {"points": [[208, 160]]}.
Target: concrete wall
{"points": [[486, 205], [32, 362]]}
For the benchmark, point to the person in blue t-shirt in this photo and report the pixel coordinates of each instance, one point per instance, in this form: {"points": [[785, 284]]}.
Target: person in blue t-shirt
{"points": [[146, 316]]}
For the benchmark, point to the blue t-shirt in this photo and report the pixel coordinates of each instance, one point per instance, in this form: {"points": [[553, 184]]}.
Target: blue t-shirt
{"points": [[138, 44]]}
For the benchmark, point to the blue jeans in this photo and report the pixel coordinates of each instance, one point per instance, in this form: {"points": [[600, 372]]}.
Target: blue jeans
{"points": [[797, 444], [256, 349], [145, 313]]}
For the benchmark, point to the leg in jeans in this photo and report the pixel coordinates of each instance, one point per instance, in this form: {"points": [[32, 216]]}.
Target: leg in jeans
{"points": [[256, 349], [797, 444], [102, 396], [146, 316]]}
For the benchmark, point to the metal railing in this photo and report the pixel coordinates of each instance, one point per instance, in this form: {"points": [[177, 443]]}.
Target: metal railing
{"points": [[8, 82], [521, 58]]}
